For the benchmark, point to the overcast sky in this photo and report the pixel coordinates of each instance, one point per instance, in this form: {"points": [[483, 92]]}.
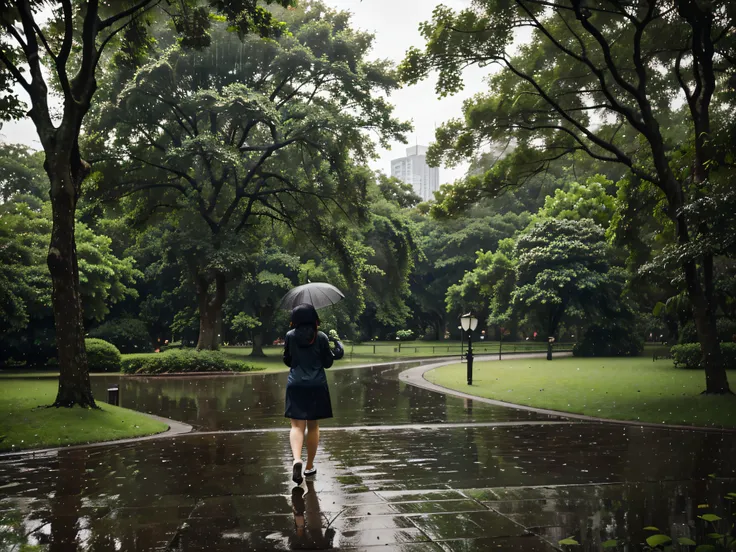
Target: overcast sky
{"points": [[395, 24]]}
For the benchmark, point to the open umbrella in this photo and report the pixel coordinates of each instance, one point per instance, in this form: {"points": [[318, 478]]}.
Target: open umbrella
{"points": [[317, 294]]}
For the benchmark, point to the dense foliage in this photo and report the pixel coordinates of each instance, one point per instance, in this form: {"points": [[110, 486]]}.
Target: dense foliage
{"points": [[130, 335]]}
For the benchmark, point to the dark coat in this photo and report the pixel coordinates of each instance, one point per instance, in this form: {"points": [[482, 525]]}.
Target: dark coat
{"points": [[307, 352]]}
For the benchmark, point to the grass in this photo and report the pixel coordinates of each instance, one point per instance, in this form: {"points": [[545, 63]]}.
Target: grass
{"points": [[25, 422], [618, 388]]}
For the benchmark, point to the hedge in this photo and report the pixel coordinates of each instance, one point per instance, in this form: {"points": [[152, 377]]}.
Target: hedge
{"points": [[688, 355], [127, 334], [182, 361], [102, 356]]}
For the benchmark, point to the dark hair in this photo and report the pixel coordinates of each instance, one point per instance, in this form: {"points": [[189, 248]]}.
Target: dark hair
{"points": [[304, 314]]}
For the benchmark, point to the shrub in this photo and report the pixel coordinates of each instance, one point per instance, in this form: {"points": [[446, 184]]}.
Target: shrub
{"points": [[182, 361], [688, 355], [102, 356], [617, 340], [405, 335], [127, 334]]}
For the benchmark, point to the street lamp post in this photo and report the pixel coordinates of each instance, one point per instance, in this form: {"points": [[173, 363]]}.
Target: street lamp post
{"points": [[468, 322], [500, 343]]}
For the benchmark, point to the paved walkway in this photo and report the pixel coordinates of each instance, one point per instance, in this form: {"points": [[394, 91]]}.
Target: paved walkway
{"points": [[400, 468]]}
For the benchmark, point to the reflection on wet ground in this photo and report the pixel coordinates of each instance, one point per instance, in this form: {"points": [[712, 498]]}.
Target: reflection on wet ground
{"points": [[447, 476], [359, 397]]}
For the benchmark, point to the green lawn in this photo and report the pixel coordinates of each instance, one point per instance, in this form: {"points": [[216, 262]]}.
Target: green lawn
{"points": [[617, 388], [26, 423]]}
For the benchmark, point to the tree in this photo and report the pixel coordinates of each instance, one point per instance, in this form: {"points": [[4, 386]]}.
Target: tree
{"points": [[253, 303], [562, 268], [390, 237], [575, 201], [21, 172], [449, 246], [397, 191], [247, 132], [600, 78], [26, 315], [487, 289], [67, 51]]}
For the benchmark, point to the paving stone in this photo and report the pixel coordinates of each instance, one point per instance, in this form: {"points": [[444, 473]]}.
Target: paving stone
{"points": [[372, 522], [351, 539], [407, 496], [431, 507], [528, 543]]}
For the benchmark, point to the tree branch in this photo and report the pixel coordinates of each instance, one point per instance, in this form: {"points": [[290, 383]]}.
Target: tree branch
{"points": [[17, 75], [125, 13]]}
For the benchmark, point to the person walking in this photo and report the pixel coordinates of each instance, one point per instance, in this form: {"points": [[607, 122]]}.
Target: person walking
{"points": [[307, 353]]}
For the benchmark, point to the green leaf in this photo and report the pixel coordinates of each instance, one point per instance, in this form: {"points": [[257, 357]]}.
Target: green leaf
{"points": [[712, 475], [702, 506], [568, 542], [658, 540], [710, 517], [686, 541], [651, 528], [714, 536], [610, 544]]}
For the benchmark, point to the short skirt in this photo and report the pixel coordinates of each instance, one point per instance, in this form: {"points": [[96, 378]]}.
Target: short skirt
{"points": [[308, 402]]}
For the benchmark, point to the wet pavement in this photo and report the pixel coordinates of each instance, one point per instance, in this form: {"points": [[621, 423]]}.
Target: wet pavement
{"points": [[400, 468]]}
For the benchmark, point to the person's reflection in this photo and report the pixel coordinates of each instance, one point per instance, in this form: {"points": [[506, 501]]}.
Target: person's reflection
{"points": [[310, 533]]}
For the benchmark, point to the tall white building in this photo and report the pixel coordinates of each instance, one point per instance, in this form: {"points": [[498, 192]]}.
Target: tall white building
{"points": [[413, 169]]}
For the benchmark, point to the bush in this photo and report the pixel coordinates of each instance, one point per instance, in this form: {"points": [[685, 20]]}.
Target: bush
{"points": [[182, 361], [102, 356], [689, 355], [127, 334], [405, 335], [606, 342]]}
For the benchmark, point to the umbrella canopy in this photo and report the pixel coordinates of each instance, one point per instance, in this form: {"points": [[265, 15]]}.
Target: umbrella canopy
{"points": [[317, 294]]}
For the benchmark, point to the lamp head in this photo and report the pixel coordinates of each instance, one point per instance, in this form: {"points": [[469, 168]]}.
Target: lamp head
{"points": [[468, 322]]}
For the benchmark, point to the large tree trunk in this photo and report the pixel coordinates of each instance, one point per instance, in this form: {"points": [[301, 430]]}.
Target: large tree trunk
{"points": [[210, 311], [74, 384], [266, 317], [700, 285], [258, 345], [716, 381]]}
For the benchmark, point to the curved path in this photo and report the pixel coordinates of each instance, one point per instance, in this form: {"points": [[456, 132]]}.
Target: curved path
{"points": [[400, 468]]}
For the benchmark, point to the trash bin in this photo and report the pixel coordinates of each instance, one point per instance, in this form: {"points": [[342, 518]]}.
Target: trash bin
{"points": [[113, 396]]}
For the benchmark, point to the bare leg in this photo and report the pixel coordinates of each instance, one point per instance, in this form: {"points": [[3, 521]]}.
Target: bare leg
{"points": [[312, 442], [296, 438]]}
